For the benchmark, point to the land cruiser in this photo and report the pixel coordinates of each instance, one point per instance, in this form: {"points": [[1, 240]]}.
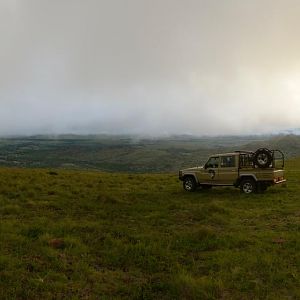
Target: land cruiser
{"points": [[247, 170]]}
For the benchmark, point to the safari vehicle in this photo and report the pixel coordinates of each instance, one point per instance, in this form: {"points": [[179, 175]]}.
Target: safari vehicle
{"points": [[247, 170]]}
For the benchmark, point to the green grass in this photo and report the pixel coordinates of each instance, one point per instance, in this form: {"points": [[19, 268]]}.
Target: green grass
{"points": [[89, 235]]}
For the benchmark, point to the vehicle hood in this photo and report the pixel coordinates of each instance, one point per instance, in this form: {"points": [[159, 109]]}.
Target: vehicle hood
{"points": [[193, 169]]}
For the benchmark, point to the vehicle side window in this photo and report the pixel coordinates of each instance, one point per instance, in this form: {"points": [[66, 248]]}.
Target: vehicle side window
{"points": [[227, 161], [213, 162]]}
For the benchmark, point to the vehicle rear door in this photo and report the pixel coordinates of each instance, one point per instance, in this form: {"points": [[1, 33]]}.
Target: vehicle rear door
{"points": [[228, 169]]}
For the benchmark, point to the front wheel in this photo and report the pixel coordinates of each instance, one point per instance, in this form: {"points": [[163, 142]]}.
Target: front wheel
{"points": [[189, 184], [248, 186]]}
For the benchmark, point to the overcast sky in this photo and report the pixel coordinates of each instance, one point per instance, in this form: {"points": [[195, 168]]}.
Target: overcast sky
{"points": [[149, 66]]}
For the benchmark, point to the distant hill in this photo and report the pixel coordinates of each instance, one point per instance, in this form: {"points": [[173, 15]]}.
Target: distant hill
{"points": [[123, 153], [289, 144]]}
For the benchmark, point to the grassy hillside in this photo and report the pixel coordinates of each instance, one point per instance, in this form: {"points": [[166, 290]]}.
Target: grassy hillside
{"points": [[89, 235]]}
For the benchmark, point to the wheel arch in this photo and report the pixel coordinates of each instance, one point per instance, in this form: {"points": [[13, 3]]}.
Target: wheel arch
{"points": [[191, 175], [245, 176]]}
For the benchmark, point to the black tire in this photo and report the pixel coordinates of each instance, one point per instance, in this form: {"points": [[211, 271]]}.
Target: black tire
{"points": [[262, 158], [189, 184], [248, 186]]}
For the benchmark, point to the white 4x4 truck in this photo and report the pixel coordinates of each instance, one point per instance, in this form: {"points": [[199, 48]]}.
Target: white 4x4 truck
{"points": [[247, 170]]}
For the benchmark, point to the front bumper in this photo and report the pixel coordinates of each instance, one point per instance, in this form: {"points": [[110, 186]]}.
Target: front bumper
{"points": [[180, 176]]}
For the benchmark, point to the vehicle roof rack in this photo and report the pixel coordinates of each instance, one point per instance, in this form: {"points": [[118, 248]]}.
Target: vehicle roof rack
{"points": [[244, 151]]}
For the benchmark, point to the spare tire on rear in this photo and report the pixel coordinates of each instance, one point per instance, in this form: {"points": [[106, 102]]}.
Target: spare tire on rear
{"points": [[262, 158]]}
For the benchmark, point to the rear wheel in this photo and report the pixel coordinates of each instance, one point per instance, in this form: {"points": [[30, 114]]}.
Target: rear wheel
{"points": [[248, 186], [189, 184]]}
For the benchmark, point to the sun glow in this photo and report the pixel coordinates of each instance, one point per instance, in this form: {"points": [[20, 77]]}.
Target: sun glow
{"points": [[292, 87]]}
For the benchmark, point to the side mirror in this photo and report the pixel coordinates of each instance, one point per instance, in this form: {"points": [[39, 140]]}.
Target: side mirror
{"points": [[205, 166]]}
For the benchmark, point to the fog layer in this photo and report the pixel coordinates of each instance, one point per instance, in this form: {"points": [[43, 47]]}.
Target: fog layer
{"points": [[149, 66]]}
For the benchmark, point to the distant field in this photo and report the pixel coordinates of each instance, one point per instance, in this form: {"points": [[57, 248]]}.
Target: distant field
{"points": [[129, 153], [90, 235]]}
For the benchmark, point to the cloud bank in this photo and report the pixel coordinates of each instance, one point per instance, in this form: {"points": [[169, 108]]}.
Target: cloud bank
{"points": [[149, 67]]}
